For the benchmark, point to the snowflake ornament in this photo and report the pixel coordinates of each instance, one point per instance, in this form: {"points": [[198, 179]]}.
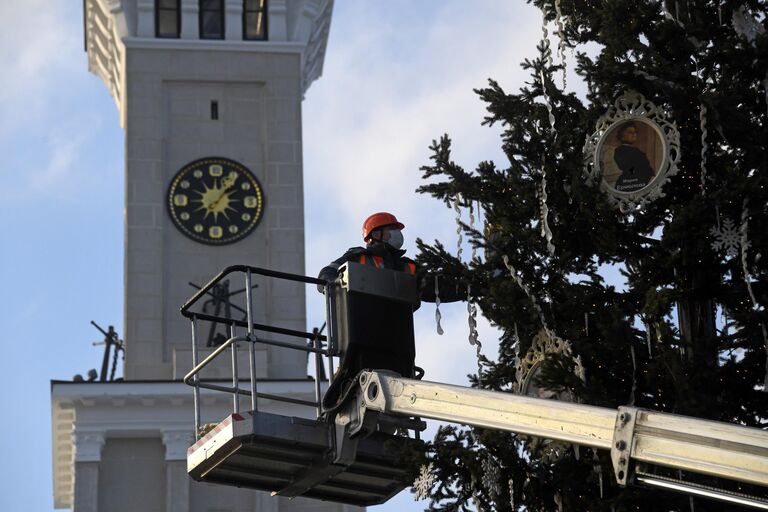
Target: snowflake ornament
{"points": [[424, 482], [746, 24], [727, 237]]}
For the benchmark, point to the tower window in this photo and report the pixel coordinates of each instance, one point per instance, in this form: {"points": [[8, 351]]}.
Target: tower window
{"points": [[167, 18], [255, 20], [212, 19], [214, 110]]}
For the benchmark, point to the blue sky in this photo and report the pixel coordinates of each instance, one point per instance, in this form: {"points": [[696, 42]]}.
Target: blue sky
{"points": [[397, 75]]}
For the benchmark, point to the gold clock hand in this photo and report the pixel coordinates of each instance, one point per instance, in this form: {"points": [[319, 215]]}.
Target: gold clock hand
{"points": [[221, 196], [226, 184]]}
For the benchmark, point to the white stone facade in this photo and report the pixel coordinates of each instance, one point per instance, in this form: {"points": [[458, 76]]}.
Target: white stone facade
{"points": [[295, 26], [169, 125], [121, 446]]}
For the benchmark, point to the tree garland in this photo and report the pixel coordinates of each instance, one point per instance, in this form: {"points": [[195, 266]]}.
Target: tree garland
{"points": [[748, 280], [438, 315], [524, 287], [560, 31], [704, 146]]}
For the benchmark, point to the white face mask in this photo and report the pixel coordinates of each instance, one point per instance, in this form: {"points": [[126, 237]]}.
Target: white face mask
{"points": [[395, 238]]}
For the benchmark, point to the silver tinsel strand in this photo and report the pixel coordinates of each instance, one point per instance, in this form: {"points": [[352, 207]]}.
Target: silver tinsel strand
{"points": [[459, 240], [548, 63], [744, 246], [473, 335], [472, 225], [597, 468], [648, 338], [516, 347], [548, 103], [545, 40], [438, 315], [704, 146], [561, 39], [524, 287], [546, 232], [471, 307], [586, 324], [673, 17], [720, 12], [747, 279]]}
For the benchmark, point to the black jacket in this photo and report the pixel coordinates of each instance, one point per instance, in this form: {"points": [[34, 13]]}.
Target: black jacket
{"points": [[395, 259], [636, 171]]}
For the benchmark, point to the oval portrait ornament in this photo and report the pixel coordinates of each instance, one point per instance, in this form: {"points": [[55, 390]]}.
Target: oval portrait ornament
{"points": [[528, 371], [633, 152], [215, 201]]}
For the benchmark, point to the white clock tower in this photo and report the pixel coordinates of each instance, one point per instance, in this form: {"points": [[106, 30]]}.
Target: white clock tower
{"points": [[205, 89]]}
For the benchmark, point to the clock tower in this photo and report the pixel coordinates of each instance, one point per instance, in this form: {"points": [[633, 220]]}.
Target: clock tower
{"points": [[208, 90], [209, 94]]}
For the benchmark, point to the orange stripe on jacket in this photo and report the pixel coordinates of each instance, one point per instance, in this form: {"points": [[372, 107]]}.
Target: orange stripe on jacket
{"points": [[378, 262]]}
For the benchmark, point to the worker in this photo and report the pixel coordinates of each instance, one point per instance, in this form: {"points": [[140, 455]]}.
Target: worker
{"points": [[389, 345], [383, 235]]}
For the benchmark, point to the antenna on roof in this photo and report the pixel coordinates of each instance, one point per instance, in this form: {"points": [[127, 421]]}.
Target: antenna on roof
{"points": [[110, 340]]}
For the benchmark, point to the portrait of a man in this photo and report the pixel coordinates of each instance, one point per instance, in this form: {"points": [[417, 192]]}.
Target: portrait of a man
{"points": [[532, 387], [631, 156]]}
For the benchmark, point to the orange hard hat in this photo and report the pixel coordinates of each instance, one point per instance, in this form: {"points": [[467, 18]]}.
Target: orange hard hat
{"points": [[379, 220]]}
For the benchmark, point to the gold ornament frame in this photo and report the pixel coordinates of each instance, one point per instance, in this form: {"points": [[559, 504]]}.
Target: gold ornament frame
{"points": [[545, 343], [633, 107]]}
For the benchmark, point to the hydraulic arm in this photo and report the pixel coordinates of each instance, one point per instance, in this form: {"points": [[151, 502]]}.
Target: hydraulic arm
{"points": [[635, 437], [342, 454]]}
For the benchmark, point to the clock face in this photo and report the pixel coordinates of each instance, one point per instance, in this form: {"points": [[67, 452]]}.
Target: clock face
{"points": [[215, 201]]}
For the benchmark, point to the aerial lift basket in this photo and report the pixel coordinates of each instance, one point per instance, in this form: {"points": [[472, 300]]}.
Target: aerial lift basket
{"points": [[311, 457]]}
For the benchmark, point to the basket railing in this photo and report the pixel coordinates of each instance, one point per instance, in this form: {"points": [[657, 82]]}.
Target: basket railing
{"points": [[317, 344]]}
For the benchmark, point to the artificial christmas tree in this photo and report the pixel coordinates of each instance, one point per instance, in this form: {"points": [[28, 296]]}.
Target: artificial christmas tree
{"points": [[659, 171]]}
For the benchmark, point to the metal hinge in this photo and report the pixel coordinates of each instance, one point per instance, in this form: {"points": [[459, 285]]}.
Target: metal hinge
{"points": [[621, 448]]}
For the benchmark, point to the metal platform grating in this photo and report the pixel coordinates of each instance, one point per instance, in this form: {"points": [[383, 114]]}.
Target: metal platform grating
{"points": [[291, 456]]}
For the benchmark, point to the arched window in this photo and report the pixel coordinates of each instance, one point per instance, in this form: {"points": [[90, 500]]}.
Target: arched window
{"points": [[211, 19], [167, 18], [255, 20]]}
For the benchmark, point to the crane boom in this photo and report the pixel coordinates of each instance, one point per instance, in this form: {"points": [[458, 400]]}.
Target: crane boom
{"points": [[343, 455], [633, 435]]}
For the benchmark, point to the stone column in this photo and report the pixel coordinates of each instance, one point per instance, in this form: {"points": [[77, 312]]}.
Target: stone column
{"points": [[86, 487], [277, 26], [145, 26], [88, 445], [233, 20], [176, 479], [190, 19]]}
